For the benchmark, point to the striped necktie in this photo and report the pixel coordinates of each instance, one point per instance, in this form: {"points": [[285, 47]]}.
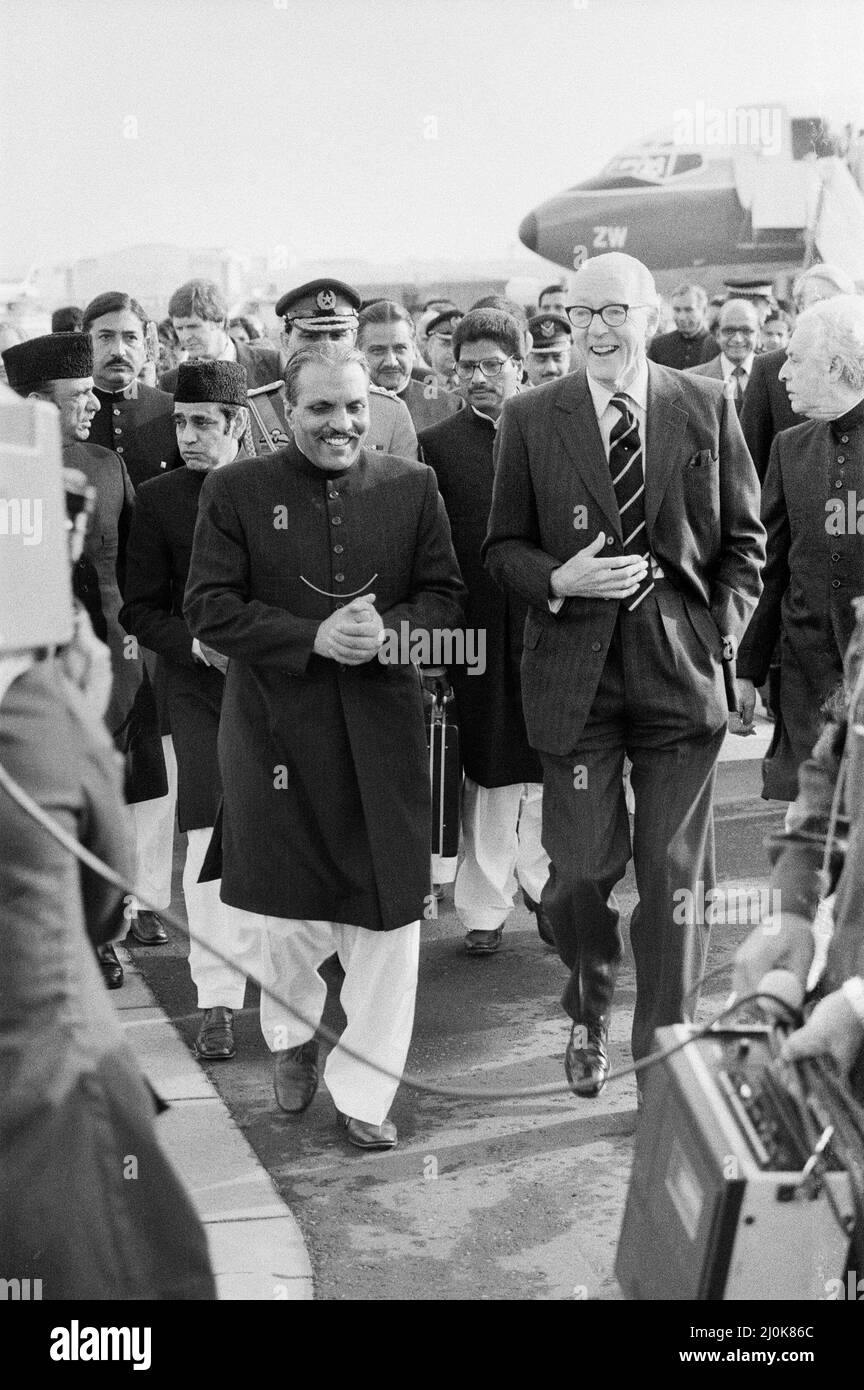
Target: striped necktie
{"points": [[739, 375], [628, 479]]}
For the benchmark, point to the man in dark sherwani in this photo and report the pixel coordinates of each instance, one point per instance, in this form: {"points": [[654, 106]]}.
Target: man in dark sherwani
{"points": [[766, 409], [134, 420], [211, 417], [625, 510], [815, 556], [301, 560], [503, 794]]}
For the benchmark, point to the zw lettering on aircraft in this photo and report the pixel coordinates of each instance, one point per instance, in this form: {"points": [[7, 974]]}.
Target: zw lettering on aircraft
{"points": [[609, 238]]}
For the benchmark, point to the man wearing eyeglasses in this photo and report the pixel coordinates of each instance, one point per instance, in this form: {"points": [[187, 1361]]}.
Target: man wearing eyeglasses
{"points": [[502, 795], [626, 511], [738, 333]]}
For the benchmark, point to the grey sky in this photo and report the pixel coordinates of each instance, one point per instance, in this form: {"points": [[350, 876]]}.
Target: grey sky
{"points": [[377, 128]]}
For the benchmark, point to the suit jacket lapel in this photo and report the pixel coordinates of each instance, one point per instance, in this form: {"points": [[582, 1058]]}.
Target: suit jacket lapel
{"points": [[580, 434], [667, 418]]}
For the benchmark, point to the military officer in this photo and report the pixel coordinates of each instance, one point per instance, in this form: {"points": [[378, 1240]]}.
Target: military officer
{"points": [[552, 344], [386, 336], [323, 311]]}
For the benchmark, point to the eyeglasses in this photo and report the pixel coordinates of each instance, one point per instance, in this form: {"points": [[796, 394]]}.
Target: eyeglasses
{"points": [[489, 366], [613, 315]]}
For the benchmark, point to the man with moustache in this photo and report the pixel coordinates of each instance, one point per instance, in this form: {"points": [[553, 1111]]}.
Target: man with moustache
{"points": [[319, 312], [385, 335], [738, 333], [550, 355], [134, 420], [210, 419], [815, 555], [300, 561], [502, 795], [625, 510]]}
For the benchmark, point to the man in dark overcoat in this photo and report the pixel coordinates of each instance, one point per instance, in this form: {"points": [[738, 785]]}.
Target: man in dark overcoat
{"points": [[211, 417], [625, 510], [300, 561], [503, 793], [815, 557]]}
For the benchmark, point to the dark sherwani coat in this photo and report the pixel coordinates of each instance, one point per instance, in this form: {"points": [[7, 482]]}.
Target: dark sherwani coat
{"points": [[674, 350], [495, 748], [324, 768], [810, 578], [138, 424], [766, 409], [157, 565], [73, 1103], [106, 547]]}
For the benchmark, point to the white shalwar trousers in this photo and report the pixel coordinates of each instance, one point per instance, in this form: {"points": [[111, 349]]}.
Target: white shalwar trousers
{"points": [[501, 830], [378, 996], [219, 983], [153, 824]]}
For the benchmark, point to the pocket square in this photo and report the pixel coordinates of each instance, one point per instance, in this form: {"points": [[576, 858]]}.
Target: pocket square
{"points": [[702, 457]]}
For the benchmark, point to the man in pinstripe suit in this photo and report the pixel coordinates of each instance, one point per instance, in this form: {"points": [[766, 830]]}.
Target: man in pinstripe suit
{"points": [[626, 510]]}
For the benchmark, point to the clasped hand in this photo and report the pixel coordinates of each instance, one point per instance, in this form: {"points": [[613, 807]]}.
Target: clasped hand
{"points": [[587, 574], [351, 635]]}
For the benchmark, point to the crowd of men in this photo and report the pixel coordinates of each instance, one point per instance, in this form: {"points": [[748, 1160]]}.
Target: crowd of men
{"points": [[621, 512]]}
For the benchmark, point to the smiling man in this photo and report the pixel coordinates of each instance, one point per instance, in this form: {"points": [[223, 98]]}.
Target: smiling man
{"points": [[738, 332], [300, 560], [625, 510], [815, 560]]}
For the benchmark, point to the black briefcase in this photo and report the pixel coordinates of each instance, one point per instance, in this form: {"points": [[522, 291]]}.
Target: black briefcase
{"points": [[445, 764]]}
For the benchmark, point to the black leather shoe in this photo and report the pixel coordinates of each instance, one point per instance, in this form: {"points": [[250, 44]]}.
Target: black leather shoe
{"points": [[215, 1040], [483, 943], [544, 926], [586, 1061], [295, 1076], [147, 929], [112, 970], [366, 1136]]}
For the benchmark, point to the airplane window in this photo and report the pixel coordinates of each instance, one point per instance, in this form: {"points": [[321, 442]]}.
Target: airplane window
{"points": [[640, 166], [686, 163]]}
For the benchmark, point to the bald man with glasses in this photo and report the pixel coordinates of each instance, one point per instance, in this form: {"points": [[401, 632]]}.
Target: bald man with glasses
{"points": [[626, 512]]}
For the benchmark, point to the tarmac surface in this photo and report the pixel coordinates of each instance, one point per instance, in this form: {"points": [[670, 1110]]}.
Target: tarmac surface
{"points": [[484, 1198]]}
